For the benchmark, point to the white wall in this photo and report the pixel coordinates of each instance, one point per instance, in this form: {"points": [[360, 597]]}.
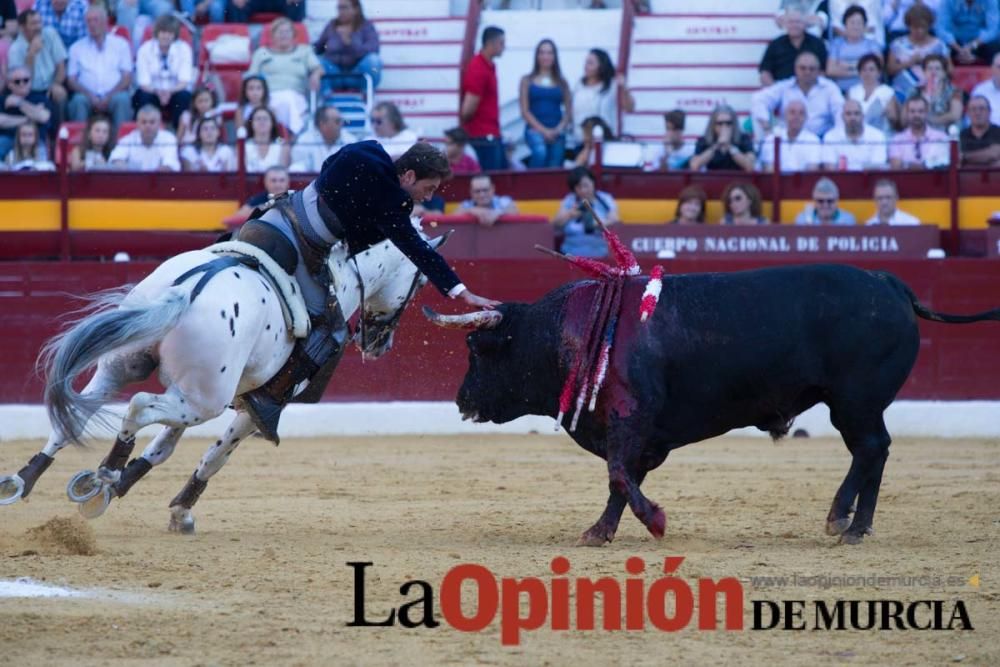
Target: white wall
{"points": [[574, 32]]}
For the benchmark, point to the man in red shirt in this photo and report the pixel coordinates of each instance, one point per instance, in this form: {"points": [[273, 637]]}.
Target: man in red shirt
{"points": [[480, 112]]}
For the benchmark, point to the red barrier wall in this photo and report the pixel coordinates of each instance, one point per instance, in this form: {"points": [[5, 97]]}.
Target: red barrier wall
{"points": [[427, 363]]}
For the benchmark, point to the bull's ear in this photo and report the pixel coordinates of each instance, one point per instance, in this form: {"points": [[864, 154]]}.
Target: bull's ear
{"points": [[486, 342]]}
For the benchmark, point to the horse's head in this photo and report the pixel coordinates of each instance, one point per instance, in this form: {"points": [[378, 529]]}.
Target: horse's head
{"points": [[391, 281]]}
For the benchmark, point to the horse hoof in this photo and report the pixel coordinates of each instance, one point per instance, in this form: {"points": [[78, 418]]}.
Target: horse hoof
{"points": [[11, 489], [658, 525], [84, 486], [181, 522], [97, 505], [837, 526], [851, 538], [108, 476]]}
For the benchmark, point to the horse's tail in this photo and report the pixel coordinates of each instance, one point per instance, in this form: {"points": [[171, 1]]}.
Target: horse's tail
{"points": [[114, 321]]}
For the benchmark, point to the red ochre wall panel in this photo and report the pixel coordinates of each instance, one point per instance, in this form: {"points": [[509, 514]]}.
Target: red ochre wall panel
{"points": [[427, 363]]}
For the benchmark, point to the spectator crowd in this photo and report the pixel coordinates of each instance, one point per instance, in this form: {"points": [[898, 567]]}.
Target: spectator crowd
{"points": [[849, 85]]}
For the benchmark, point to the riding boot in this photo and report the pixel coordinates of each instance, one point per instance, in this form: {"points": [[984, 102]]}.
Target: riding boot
{"points": [[264, 404]]}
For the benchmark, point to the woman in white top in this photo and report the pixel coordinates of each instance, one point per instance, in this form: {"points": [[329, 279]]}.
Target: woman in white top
{"points": [[163, 70], [264, 147], [207, 153], [873, 95], [390, 130], [292, 70], [94, 150], [596, 94], [203, 104], [28, 154]]}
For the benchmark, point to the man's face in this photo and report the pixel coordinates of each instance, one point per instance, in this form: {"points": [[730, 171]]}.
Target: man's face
{"points": [[854, 119], [675, 135], [885, 200], [979, 113], [795, 24], [795, 117], [498, 46], [19, 81], [806, 70], [381, 124], [32, 27], [97, 24], [482, 191], [165, 38], [276, 182], [149, 125], [330, 126], [916, 111], [419, 189], [826, 205]]}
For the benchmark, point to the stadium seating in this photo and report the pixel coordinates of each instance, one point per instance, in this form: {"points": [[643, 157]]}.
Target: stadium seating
{"points": [[212, 32]]}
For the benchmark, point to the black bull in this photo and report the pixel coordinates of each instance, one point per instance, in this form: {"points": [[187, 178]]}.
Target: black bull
{"points": [[722, 351]]}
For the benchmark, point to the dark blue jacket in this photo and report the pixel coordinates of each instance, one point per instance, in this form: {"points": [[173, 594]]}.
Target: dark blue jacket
{"points": [[360, 185]]}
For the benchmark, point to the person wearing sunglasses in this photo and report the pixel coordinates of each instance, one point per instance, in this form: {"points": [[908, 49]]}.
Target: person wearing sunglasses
{"points": [[389, 129], [824, 209], [724, 146], [19, 105]]}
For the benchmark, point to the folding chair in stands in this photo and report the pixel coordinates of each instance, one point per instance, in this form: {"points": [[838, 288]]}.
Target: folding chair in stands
{"points": [[353, 95]]}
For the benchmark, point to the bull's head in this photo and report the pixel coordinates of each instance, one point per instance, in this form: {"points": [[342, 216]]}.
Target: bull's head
{"points": [[508, 374]]}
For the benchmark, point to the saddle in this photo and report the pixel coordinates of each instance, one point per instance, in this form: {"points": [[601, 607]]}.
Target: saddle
{"points": [[293, 305]]}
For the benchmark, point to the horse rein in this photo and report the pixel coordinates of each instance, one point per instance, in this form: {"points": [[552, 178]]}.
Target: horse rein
{"points": [[392, 322]]}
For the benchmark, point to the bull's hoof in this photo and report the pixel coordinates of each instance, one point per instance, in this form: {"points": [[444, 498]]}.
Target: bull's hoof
{"points": [[181, 521], [597, 536], [851, 538], [837, 526], [11, 489], [658, 524]]}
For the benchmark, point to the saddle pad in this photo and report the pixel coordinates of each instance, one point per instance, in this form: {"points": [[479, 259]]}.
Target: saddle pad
{"points": [[293, 305]]}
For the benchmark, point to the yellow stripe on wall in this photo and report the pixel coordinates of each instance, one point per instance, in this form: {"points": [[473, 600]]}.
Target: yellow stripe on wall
{"points": [[35, 215], [973, 212], [117, 214], [192, 215]]}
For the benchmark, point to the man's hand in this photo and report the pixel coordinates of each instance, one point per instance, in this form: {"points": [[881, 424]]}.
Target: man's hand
{"points": [[13, 101], [164, 97], [964, 54], [478, 301], [35, 47]]}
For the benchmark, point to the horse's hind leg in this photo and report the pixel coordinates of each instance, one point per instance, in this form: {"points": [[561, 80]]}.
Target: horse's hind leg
{"points": [[109, 379], [156, 452], [171, 408], [181, 519]]}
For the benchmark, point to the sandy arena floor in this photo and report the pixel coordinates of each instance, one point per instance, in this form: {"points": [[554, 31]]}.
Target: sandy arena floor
{"points": [[265, 582]]}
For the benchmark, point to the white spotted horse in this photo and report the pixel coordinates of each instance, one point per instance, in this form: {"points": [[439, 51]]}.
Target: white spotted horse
{"points": [[212, 324]]}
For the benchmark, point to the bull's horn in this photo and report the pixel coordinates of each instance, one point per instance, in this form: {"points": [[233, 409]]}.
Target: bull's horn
{"points": [[481, 319]]}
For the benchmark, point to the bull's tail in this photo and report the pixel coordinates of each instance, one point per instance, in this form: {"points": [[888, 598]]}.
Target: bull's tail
{"points": [[112, 323], [926, 313]]}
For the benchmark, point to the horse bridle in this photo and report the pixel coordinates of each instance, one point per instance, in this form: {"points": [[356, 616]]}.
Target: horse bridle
{"points": [[392, 322]]}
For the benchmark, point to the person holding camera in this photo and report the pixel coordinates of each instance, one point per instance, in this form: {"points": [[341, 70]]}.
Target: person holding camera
{"points": [[724, 146], [581, 236]]}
